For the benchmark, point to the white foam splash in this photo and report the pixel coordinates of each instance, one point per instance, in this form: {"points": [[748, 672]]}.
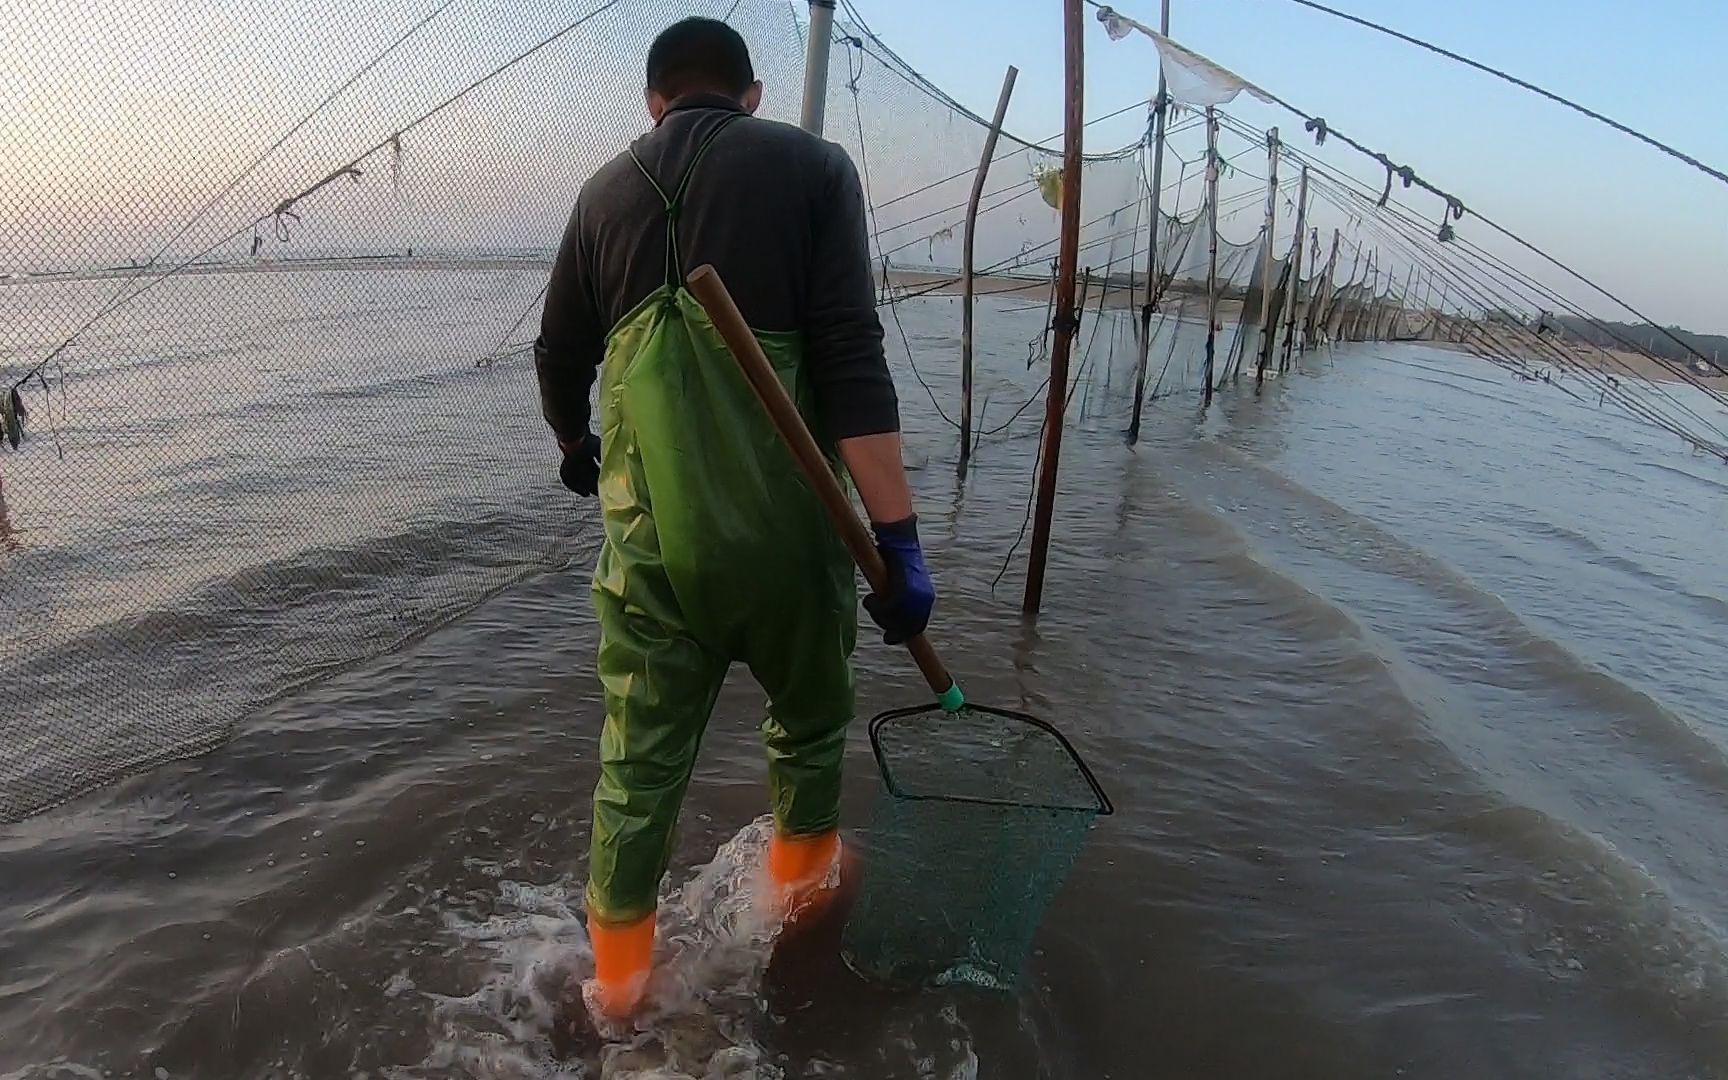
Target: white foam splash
{"points": [[704, 997]]}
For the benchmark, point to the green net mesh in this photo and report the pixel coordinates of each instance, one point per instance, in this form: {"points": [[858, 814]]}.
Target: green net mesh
{"points": [[980, 820]]}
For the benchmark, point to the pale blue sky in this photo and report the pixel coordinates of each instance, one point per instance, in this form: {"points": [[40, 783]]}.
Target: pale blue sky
{"points": [[1643, 224], [121, 126]]}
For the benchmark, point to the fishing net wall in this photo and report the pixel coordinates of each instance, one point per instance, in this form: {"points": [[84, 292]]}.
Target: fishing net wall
{"points": [[919, 194], [268, 287], [920, 223], [919, 151], [1186, 265], [1259, 309], [1322, 294], [268, 282], [283, 416], [1387, 296]]}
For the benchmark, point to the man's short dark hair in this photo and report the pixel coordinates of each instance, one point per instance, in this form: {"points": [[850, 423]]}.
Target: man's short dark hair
{"points": [[698, 54]]}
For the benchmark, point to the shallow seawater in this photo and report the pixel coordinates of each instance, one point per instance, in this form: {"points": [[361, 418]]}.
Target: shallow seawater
{"points": [[1406, 686]]}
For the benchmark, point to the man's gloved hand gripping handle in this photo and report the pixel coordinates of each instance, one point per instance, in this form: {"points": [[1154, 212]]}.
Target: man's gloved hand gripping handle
{"points": [[903, 609]]}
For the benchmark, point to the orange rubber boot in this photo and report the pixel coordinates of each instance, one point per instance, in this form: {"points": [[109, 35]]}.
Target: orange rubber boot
{"points": [[623, 954], [798, 866]]}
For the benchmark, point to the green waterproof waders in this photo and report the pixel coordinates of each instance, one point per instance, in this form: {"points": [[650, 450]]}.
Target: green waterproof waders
{"points": [[715, 550]]}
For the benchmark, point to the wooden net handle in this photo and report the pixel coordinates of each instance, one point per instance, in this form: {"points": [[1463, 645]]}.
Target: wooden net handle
{"points": [[705, 285]]}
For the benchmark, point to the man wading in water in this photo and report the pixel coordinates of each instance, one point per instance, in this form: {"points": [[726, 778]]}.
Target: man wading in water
{"points": [[715, 550]]}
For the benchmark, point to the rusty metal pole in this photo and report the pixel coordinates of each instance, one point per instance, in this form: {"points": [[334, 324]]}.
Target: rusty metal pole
{"points": [[1067, 261], [966, 263]]}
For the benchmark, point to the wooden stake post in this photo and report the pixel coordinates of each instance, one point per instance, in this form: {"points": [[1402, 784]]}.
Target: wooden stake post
{"points": [[1365, 309], [966, 258], [1347, 315], [1317, 327], [1160, 111], [1265, 356], [1369, 331], [1212, 249], [1067, 261], [1294, 292], [1404, 303]]}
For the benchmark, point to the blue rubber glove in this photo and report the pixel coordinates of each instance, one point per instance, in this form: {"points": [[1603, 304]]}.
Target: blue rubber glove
{"points": [[903, 610], [581, 468]]}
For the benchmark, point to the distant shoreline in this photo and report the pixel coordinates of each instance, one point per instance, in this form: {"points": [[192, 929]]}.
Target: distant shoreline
{"points": [[1507, 341], [1618, 363]]}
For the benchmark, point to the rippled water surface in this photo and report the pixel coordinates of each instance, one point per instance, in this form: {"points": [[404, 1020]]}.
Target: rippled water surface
{"points": [[1407, 686]]}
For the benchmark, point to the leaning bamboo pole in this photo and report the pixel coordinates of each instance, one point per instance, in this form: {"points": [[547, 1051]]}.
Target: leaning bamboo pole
{"points": [[966, 261]]}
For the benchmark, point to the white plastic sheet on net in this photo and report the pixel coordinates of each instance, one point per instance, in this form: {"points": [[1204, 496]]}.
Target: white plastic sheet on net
{"points": [[1188, 77]]}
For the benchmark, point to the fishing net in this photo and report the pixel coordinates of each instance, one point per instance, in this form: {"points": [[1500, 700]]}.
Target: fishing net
{"points": [[267, 301], [981, 816], [1257, 310], [1320, 295], [268, 293], [1186, 264]]}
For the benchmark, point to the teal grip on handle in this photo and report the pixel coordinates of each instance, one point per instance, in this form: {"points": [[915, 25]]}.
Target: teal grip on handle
{"points": [[951, 699]]}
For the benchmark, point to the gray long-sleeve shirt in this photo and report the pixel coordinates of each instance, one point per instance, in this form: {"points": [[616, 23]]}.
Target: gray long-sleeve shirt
{"points": [[778, 211]]}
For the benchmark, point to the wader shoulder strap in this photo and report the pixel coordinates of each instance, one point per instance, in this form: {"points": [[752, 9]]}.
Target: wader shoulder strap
{"points": [[675, 201]]}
